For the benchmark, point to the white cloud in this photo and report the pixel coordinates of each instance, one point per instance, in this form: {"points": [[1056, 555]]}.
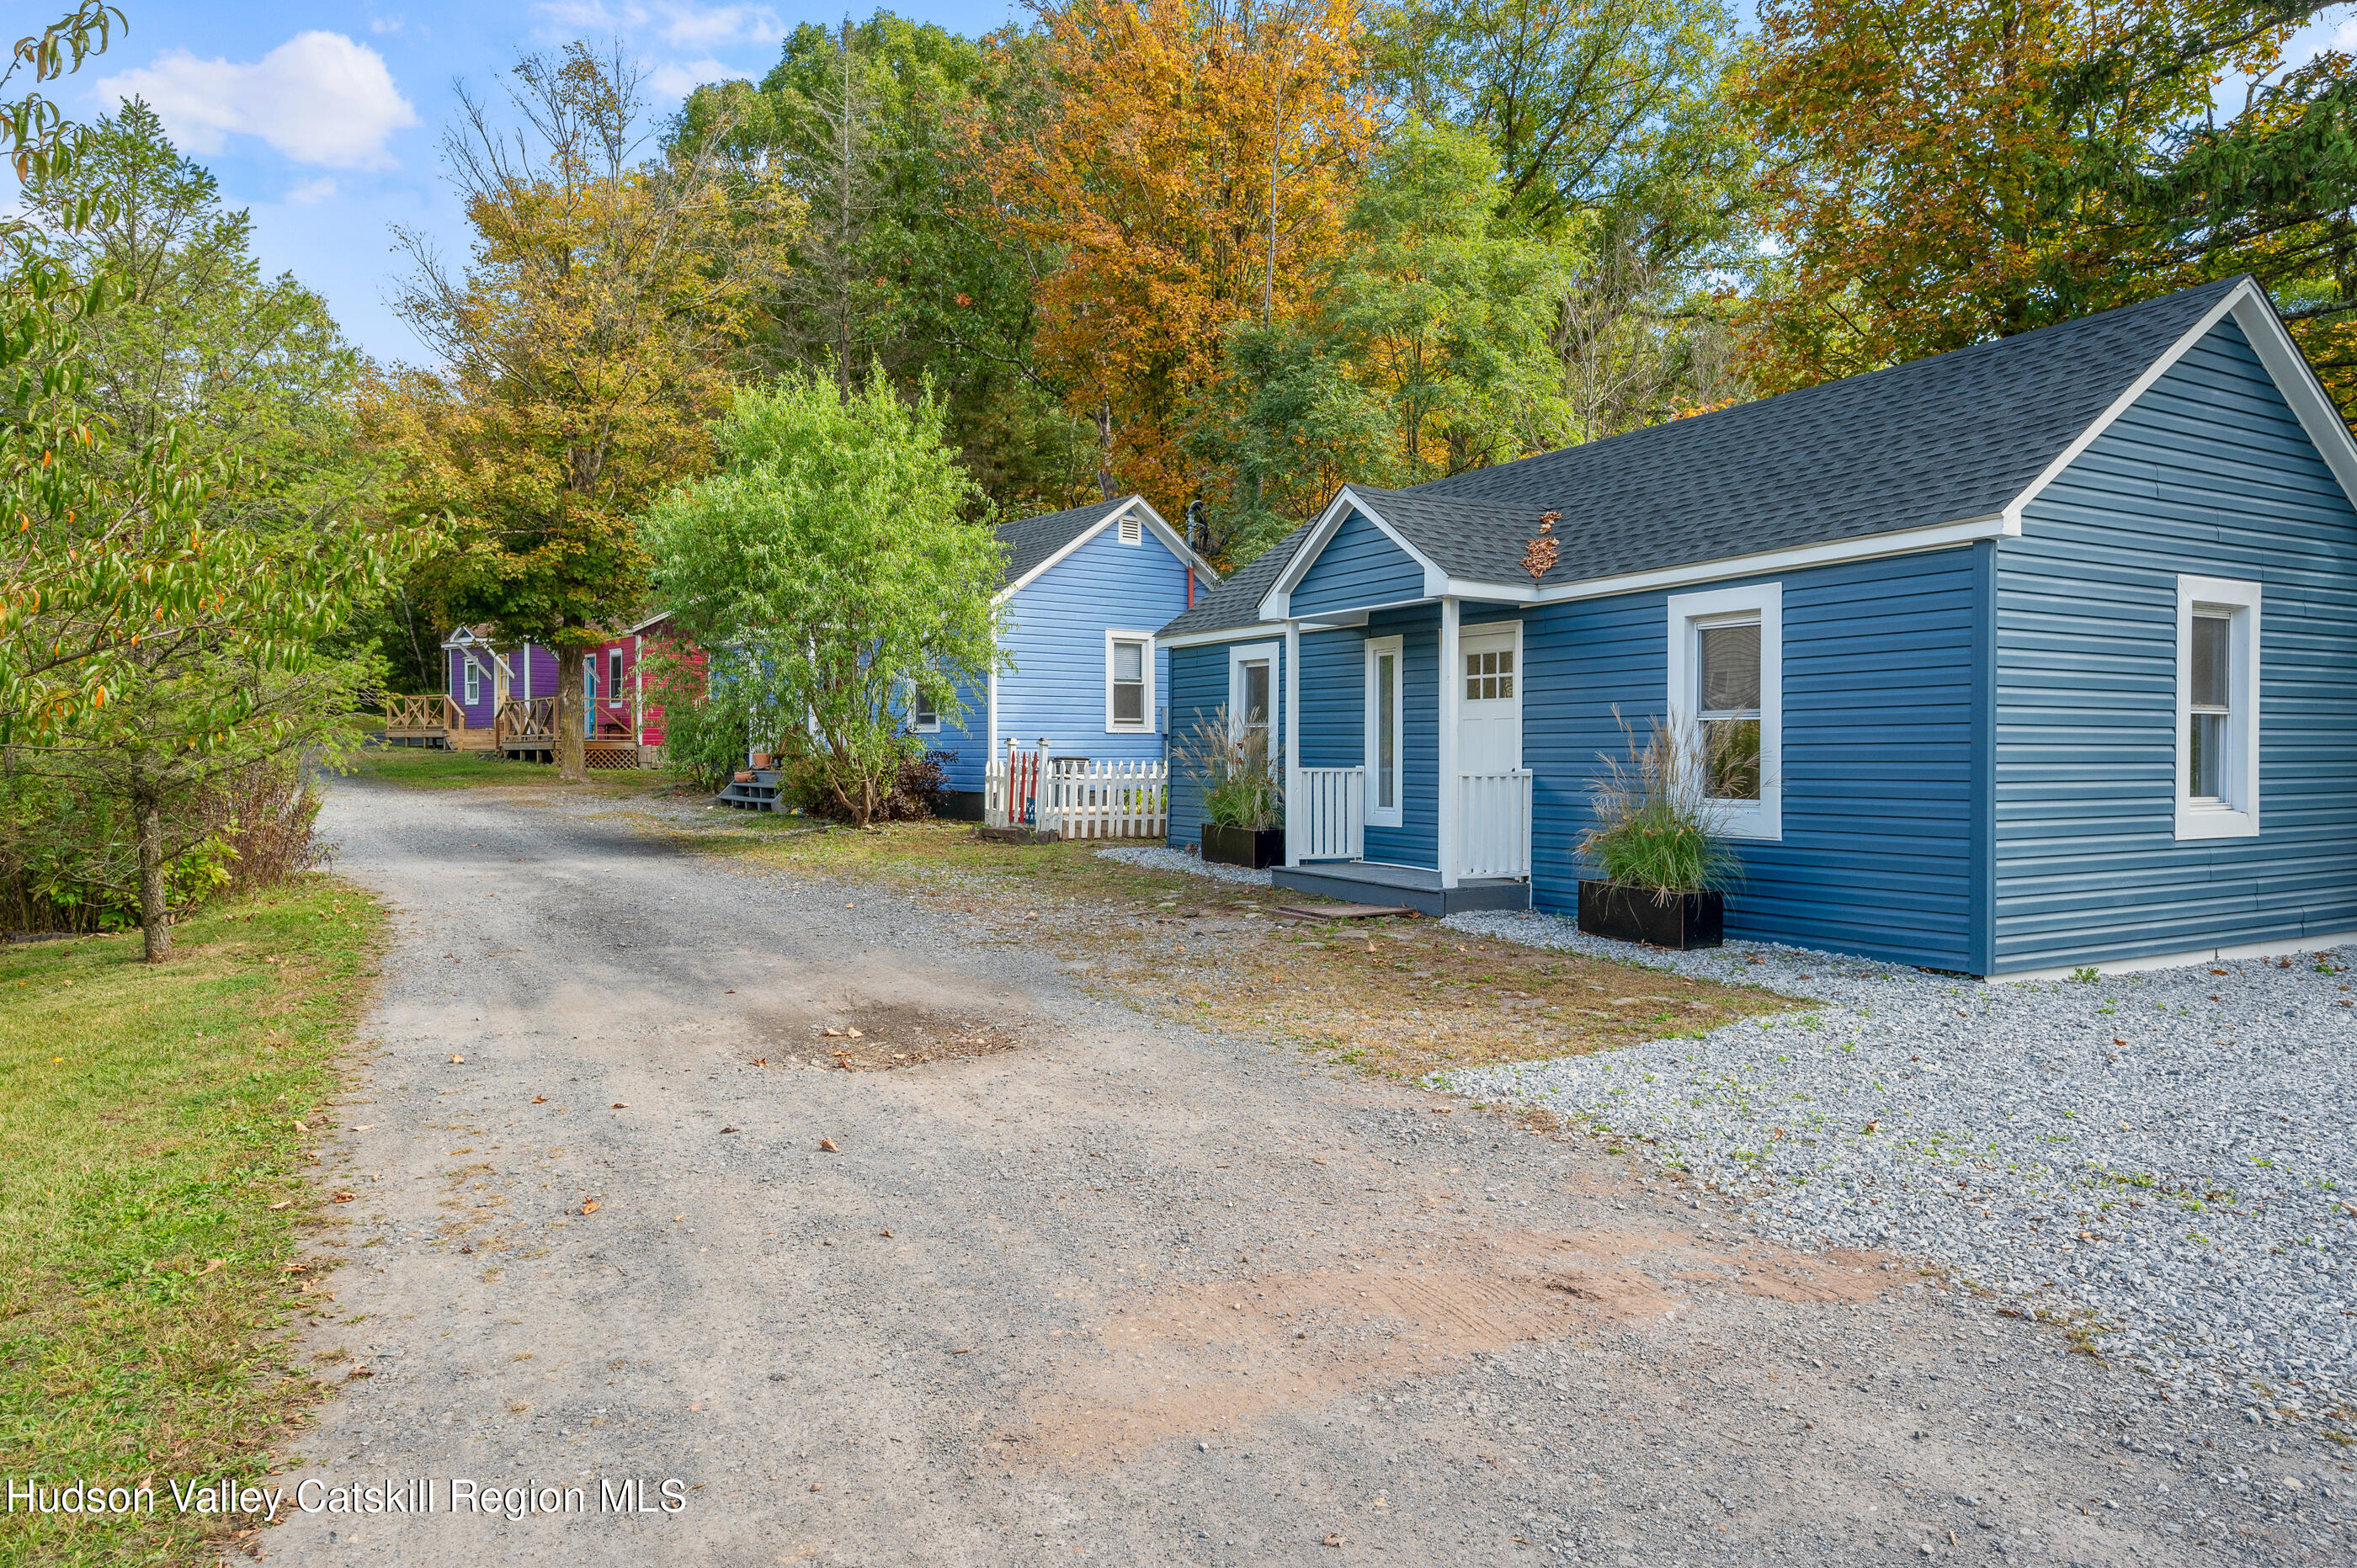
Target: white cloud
{"points": [[384, 24], [678, 78], [318, 98], [311, 191]]}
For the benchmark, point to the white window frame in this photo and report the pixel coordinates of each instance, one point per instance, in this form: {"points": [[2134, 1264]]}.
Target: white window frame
{"points": [[1240, 655], [1143, 724], [918, 725], [1395, 648], [2237, 814], [614, 682], [472, 678], [1761, 820]]}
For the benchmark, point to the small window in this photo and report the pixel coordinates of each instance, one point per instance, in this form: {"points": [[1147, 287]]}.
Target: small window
{"points": [[1129, 679], [1727, 676], [1133, 531], [1385, 709], [613, 674], [474, 679], [2217, 708], [1490, 676], [1256, 708], [924, 715]]}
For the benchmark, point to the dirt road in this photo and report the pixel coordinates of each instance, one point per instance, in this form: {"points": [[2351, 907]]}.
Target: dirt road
{"points": [[1108, 1291]]}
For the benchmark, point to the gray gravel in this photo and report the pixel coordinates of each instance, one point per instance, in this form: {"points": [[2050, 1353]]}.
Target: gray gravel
{"points": [[1160, 859], [2162, 1158]]}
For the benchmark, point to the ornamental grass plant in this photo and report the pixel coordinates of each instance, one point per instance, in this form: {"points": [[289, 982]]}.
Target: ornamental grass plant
{"points": [[1657, 825], [1237, 770]]}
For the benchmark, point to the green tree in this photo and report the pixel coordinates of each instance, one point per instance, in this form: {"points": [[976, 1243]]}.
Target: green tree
{"points": [[594, 333], [829, 569], [200, 355]]}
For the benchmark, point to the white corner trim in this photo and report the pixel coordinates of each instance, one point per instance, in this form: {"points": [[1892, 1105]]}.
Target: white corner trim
{"points": [[1277, 604], [1761, 820], [2322, 943], [1144, 725], [2245, 729]]}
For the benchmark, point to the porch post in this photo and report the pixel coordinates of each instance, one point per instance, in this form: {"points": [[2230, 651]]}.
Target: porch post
{"points": [[990, 706], [1450, 688], [1292, 739]]}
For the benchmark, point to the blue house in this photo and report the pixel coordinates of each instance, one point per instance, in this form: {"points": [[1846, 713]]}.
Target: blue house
{"points": [[1084, 592], [2050, 645]]}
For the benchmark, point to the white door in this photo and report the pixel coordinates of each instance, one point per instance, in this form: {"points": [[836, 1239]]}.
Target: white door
{"points": [[1489, 700]]}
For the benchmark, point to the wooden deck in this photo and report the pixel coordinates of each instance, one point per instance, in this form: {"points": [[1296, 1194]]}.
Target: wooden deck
{"points": [[527, 732], [433, 720]]}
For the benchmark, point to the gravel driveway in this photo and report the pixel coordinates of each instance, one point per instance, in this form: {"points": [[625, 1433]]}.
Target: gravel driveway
{"points": [[1124, 1293], [2165, 1159]]}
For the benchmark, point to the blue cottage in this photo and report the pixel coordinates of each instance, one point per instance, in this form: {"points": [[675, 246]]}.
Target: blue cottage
{"points": [[1084, 592], [2050, 645]]}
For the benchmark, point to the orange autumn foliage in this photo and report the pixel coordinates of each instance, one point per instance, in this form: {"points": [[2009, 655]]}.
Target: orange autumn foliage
{"points": [[1147, 177]]}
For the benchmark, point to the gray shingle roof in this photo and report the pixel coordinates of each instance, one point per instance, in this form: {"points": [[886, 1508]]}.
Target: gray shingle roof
{"points": [[1031, 539], [1236, 601], [1937, 440]]}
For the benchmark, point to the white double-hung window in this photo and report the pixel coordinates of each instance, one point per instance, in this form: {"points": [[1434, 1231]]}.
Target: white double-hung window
{"points": [[2217, 708], [1129, 681], [1726, 695], [474, 679], [1386, 708]]}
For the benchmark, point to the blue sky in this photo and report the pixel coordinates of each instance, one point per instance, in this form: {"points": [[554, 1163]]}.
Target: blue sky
{"points": [[322, 116]]}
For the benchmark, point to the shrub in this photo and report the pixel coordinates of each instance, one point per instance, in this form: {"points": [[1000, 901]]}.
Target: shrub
{"points": [[1240, 773], [1657, 824]]}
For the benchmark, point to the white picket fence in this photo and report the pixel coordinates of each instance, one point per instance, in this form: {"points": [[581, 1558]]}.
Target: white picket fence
{"points": [[1330, 805], [1075, 798]]}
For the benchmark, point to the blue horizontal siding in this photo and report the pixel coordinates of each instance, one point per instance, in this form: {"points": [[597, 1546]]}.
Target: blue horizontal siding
{"points": [[1199, 690], [1055, 635], [1877, 856], [1359, 567], [2209, 473], [1334, 722]]}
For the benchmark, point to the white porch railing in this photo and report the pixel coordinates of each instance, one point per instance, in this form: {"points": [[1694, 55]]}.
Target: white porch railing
{"points": [[1493, 823], [1326, 815], [1075, 798]]}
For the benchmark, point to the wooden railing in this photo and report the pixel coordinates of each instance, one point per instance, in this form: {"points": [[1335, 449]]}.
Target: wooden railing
{"points": [[527, 720], [1493, 823], [433, 716], [1326, 815]]}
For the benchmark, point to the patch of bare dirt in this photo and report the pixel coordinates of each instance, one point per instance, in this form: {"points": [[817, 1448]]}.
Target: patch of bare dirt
{"points": [[880, 1036]]}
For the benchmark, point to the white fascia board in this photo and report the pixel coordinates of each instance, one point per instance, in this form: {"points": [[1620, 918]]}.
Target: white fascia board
{"points": [[1258, 630], [1171, 538], [1867, 547], [655, 619], [2248, 304], [1277, 604]]}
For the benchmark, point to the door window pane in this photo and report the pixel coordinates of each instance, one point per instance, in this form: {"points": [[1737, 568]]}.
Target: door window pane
{"points": [[1255, 693], [1386, 731]]}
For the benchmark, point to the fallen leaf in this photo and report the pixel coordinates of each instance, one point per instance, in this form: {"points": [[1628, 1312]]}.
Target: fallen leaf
{"points": [[828, 1145], [728, 1129], [588, 1205], [282, 1203], [1333, 1541], [540, 1100], [456, 1057], [854, 1034], [813, 1485], [300, 1128], [361, 1372], [1316, 1161], [620, 1105], [730, 992], [347, 1196], [216, 1264], [968, 1351], [887, 1235], [760, 1061], [833, 1033]]}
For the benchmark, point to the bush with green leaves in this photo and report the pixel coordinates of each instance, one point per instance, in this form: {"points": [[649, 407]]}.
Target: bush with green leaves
{"points": [[1238, 771], [1658, 826]]}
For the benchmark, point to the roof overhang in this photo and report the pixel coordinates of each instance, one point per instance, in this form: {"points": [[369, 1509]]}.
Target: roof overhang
{"points": [[2293, 377], [1135, 506], [466, 641]]}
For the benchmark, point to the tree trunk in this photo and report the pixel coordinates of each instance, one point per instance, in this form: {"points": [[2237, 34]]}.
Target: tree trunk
{"points": [[570, 715], [155, 917]]}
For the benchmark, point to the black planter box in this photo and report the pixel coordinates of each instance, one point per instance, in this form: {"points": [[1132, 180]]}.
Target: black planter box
{"points": [[1633, 915], [1257, 848]]}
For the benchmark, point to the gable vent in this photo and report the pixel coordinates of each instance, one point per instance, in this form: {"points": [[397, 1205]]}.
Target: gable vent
{"points": [[1132, 531]]}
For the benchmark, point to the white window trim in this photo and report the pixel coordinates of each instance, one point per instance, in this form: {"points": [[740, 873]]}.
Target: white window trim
{"points": [[2239, 816], [1130, 530], [917, 725], [1381, 816], [1762, 819], [471, 678], [1144, 724], [1240, 655]]}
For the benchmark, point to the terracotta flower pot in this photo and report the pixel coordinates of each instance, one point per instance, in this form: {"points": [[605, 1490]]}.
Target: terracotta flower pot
{"points": [[744, 775], [760, 759]]}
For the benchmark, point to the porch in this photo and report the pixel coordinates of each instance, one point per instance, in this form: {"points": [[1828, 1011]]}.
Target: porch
{"points": [[525, 728], [433, 720], [1490, 868]]}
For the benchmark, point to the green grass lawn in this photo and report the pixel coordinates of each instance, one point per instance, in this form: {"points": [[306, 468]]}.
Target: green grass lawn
{"points": [[155, 1125], [420, 767]]}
